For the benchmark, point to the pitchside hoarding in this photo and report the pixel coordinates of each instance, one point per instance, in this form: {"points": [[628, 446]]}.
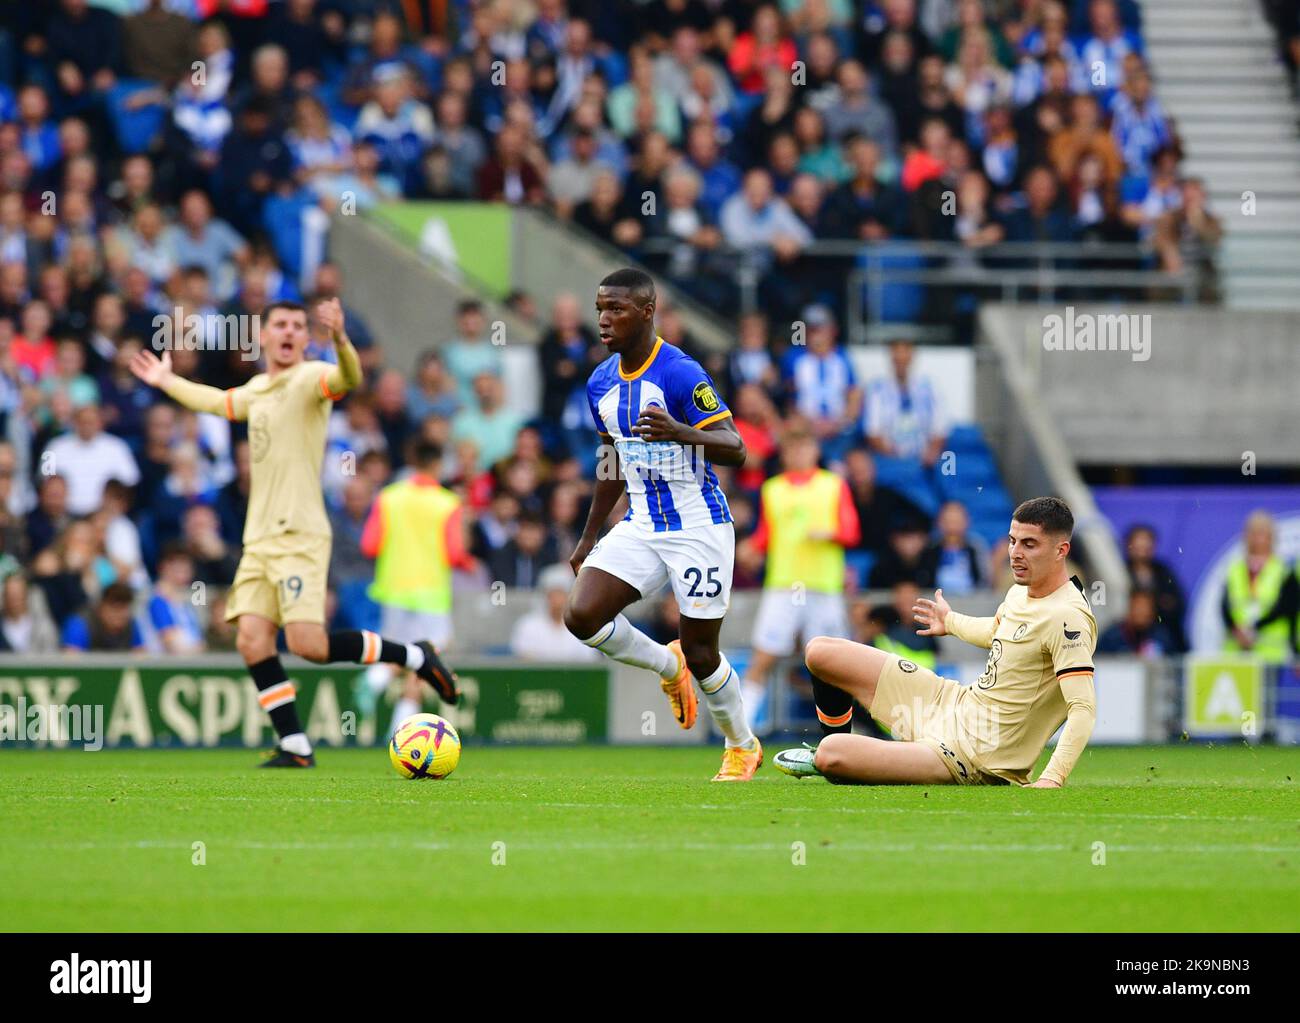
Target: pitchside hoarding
{"points": [[145, 703]]}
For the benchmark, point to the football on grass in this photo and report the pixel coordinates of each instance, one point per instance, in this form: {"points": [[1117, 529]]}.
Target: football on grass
{"points": [[424, 746]]}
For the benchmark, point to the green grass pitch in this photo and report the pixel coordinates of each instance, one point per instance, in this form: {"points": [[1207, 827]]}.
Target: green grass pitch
{"points": [[1195, 838]]}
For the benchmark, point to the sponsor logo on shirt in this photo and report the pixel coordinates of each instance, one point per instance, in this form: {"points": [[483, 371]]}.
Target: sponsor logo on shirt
{"points": [[704, 397]]}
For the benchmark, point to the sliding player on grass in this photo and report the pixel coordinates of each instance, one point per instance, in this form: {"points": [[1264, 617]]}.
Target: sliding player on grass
{"points": [[664, 425], [1038, 675], [281, 579]]}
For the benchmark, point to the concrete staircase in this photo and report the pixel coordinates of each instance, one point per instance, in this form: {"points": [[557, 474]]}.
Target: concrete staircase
{"points": [[1217, 74]]}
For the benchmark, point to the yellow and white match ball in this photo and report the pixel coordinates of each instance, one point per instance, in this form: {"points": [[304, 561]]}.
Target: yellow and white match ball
{"points": [[424, 746]]}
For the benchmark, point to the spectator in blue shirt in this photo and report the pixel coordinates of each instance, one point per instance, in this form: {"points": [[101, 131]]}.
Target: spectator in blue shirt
{"points": [[109, 626], [821, 383], [956, 561], [398, 126], [172, 607], [1138, 123], [40, 136], [1103, 48], [720, 178]]}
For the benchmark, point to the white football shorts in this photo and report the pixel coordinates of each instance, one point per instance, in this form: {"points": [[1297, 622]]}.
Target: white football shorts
{"points": [[698, 562], [784, 615]]}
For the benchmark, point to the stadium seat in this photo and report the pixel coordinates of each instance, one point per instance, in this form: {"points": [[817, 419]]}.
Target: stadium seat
{"points": [[135, 129], [898, 302]]}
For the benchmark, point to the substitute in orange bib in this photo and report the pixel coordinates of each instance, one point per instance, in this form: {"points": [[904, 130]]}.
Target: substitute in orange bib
{"points": [[416, 534], [806, 520]]}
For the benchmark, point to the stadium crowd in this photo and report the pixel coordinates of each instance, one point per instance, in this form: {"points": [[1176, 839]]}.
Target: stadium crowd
{"points": [[180, 157]]}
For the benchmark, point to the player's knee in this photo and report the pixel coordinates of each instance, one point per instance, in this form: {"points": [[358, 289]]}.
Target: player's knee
{"points": [[253, 648], [582, 620], [829, 758], [816, 651]]}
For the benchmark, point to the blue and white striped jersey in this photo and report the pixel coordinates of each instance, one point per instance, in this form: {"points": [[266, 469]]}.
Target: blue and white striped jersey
{"points": [[669, 486]]}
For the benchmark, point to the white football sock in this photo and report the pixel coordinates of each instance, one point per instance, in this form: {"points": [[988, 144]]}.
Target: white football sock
{"points": [[402, 710], [378, 676], [722, 694], [754, 694], [296, 743], [624, 642], [414, 657]]}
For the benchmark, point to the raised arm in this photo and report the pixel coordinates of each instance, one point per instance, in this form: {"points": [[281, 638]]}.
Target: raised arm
{"points": [[938, 619], [158, 373], [347, 374]]}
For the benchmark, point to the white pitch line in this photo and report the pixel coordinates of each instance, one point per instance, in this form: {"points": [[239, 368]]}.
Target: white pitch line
{"points": [[758, 810], [667, 847]]}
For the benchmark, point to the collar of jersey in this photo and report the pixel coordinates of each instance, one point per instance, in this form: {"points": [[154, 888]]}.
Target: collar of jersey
{"points": [[659, 343]]}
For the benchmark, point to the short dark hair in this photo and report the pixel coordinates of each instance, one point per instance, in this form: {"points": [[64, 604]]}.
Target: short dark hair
{"points": [[1051, 513], [174, 549], [117, 593], [284, 303], [640, 283], [425, 452]]}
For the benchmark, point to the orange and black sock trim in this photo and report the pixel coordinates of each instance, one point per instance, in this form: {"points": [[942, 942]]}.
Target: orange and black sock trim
{"points": [[834, 708], [361, 646], [277, 695]]}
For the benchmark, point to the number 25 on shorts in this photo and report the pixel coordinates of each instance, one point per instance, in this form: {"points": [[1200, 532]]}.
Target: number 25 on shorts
{"points": [[695, 576]]}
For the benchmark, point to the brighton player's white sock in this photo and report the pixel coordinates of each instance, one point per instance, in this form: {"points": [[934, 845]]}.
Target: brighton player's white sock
{"points": [[623, 641], [722, 694], [414, 657], [402, 710], [296, 743]]}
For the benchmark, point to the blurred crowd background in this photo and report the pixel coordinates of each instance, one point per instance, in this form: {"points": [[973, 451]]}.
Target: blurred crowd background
{"points": [[182, 157]]}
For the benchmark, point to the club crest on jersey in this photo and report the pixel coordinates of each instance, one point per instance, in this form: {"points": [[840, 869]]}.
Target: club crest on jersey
{"points": [[706, 400], [1021, 631], [907, 665]]}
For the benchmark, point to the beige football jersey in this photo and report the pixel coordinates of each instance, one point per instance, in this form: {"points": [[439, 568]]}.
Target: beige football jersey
{"points": [[287, 420], [1040, 659]]}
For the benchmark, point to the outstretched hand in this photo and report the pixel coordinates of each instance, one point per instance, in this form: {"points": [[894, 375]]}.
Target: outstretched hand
{"points": [[932, 615], [151, 369], [330, 315]]}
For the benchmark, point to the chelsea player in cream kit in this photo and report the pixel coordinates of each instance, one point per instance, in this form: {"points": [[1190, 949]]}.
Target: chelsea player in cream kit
{"points": [[1038, 675], [282, 573], [663, 426]]}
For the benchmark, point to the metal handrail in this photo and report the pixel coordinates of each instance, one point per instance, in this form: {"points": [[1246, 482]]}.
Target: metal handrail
{"points": [[963, 266]]}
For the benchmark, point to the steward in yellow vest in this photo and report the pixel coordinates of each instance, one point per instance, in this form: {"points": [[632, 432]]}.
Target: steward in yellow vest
{"points": [[1260, 597], [414, 534]]}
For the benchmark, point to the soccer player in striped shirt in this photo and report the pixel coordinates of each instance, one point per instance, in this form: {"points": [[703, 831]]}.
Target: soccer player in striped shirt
{"points": [[664, 426]]}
